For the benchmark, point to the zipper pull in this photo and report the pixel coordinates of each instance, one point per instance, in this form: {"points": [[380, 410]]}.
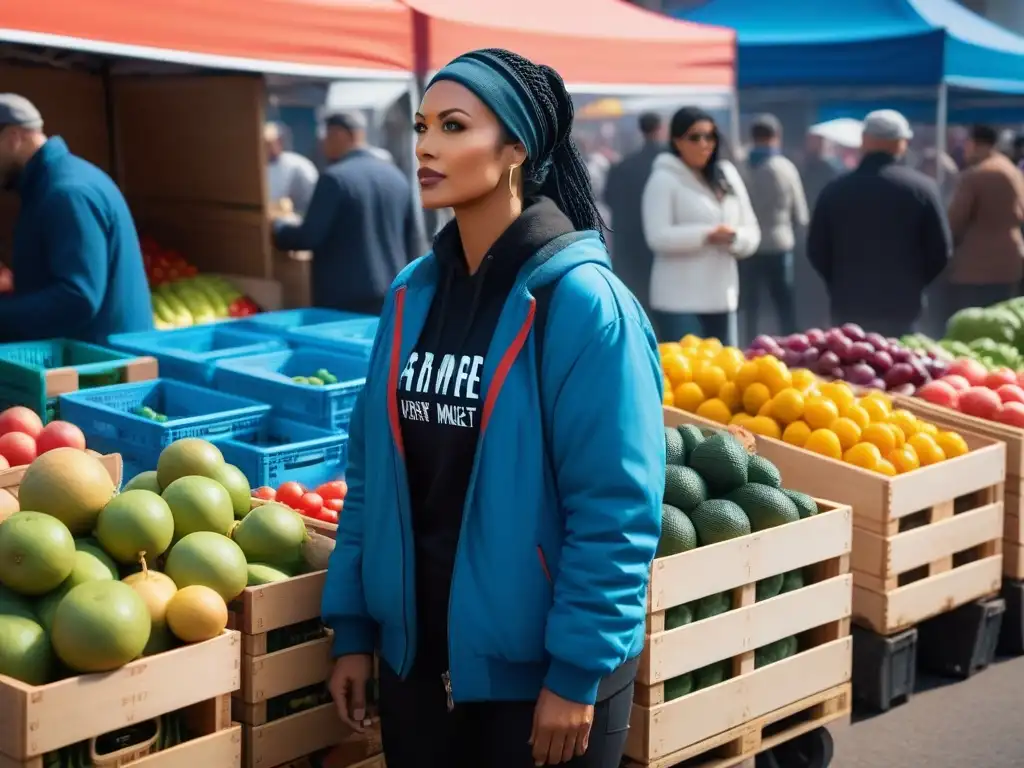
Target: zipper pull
{"points": [[446, 678]]}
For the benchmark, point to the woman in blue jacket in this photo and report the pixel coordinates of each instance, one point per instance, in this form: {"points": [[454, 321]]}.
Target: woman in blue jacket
{"points": [[506, 458]]}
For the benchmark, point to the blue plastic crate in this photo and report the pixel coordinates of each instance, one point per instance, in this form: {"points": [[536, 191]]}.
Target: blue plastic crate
{"points": [[286, 450], [108, 413], [279, 323], [189, 354], [268, 378], [134, 459], [355, 336]]}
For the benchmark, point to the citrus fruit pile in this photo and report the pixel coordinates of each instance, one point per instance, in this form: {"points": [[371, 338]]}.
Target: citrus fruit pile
{"points": [[767, 398]]}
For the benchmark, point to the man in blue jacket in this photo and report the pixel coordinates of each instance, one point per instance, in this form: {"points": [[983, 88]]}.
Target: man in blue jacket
{"points": [[78, 270]]}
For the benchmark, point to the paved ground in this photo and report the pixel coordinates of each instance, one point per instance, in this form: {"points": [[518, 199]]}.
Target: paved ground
{"points": [[974, 723]]}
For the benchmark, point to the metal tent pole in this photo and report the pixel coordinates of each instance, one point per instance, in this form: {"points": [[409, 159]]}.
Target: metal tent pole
{"points": [[941, 124]]}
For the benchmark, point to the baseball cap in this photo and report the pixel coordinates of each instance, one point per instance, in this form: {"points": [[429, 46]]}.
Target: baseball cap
{"points": [[17, 110], [767, 123], [887, 124], [350, 120]]}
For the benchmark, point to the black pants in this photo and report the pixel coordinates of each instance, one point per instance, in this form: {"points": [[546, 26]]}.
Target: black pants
{"points": [[672, 326], [962, 296], [773, 273], [419, 732]]}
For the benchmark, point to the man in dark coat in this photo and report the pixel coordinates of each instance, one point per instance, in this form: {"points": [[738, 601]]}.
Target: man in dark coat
{"points": [[631, 258], [362, 226], [879, 235]]}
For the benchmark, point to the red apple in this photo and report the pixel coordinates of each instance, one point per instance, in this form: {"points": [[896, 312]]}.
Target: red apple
{"points": [[1010, 393], [972, 370], [957, 382], [1013, 415], [18, 448], [60, 434], [939, 393], [21, 419], [981, 402], [1000, 376]]}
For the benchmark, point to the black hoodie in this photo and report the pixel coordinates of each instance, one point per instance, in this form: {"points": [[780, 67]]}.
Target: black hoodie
{"points": [[440, 401]]}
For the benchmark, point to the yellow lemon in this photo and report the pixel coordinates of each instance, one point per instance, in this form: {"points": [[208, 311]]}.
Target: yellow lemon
{"points": [[688, 396], [885, 467], [897, 433], [858, 415], [820, 412], [905, 420], [690, 341], [677, 368], [667, 397], [876, 408], [715, 410], [839, 392], [740, 419], [775, 375], [667, 348], [882, 436], [927, 428], [797, 433], [729, 394], [927, 450], [952, 444], [755, 396], [804, 380], [746, 375], [764, 425], [825, 442], [864, 455], [710, 379], [711, 344], [729, 360], [904, 459], [787, 406], [847, 431]]}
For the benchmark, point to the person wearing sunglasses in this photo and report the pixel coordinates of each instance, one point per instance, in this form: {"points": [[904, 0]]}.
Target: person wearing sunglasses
{"points": [[698, 221]]}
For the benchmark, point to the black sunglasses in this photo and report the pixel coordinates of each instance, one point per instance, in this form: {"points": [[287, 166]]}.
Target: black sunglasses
{"points": [[695, 138]]}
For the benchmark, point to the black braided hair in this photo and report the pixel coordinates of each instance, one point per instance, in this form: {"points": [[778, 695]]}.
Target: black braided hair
{"points": [[560, 172]]}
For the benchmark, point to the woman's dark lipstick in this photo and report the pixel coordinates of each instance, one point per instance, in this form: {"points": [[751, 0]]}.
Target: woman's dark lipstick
{"points": [[429, 178]]}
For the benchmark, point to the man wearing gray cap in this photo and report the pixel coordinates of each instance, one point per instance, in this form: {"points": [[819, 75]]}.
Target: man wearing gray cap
{"points": [[879, 235], [361, 225], [78, 270]]}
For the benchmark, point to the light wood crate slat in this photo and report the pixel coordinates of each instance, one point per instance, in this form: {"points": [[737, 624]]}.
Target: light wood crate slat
{"points": [[274, 674], [280, 604], [305, 733]]}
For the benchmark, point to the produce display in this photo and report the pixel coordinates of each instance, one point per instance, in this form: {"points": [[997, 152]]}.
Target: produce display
{"points": [[324, 504], [23, 436], [148, 413], [992, 336], [971, 388], [318, 379], [91, 579], [715, 491], [765, 397], [182, 297], [850, 354]]}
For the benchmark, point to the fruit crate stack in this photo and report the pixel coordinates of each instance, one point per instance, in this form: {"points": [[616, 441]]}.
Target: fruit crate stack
{"points": [[284, 321], [353, 336], [751, 627], [283, 703], [35, 373]]}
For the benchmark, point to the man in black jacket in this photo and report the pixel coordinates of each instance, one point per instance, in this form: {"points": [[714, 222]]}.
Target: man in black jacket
{"points": [[879, 235], [631, 258], [362, 226]]}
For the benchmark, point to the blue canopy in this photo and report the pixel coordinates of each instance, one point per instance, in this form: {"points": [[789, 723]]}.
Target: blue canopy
{"points": [[850, 43]]}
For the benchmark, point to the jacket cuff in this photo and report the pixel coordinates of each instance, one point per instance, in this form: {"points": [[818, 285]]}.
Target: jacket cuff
{"points": [[572, 683], [352, 636]]}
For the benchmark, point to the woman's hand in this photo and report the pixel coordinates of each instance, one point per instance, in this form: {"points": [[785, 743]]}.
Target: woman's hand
{"points": [[348, 688], [561, 729], [722, 235]]}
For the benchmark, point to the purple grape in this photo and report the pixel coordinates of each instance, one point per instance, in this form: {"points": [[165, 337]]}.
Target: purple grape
{"points": [[859, 373], [901, 354], [791, 358], [900, 373], [876, 384], [861, 350], [906, 389], [853, 331], [764, 341], [880, 361], [810, 357], [836, 373], [815, 336], [797, 342], [756, 353], [828, 360], [937, 368], [834, 334], [876, 340]]}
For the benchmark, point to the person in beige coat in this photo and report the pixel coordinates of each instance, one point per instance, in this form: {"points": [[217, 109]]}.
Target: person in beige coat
{"points": [[986, 215]]}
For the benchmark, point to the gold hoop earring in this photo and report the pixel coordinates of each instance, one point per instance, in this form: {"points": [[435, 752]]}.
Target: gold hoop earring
{"points": [[511, 189]]}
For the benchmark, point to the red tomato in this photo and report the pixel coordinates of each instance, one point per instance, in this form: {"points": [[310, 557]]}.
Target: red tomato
{"points": [[60, 434], [334, 505], [336, 489], [328, 516], [310, 504], [20, 419], [18, 448], [289, 493], [265, 492]]}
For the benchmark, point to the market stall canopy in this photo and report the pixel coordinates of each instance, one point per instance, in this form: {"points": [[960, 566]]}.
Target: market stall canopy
{"points": [[314, 38], [594, 44], [867, 43]]}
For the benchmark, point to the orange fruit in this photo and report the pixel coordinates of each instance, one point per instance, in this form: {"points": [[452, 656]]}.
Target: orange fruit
{"points": [[689, 341], [839, 392], [740, 419], [876, 408], [847, 431], [729, 394], [746, 375], [886, 467], [677, 368], [755, 396], [688, 396], [763, 425], [820, 412], [882, 436], [858, 414], [710, 379], [765, 410], [927, 428], [715, 410], [804, 380], [825, 442], [952, 444], [927, 450], [787, 406], [797, 433], [904, 459], [905, 420], [711, 344], [668, 348], [729, 360], [863, 455]]}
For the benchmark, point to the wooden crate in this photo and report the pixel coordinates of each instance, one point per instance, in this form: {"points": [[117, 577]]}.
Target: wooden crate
{"points": [[268, 675], [1013, 438], [215, 741], [910, 521], [40, 719], [10, 479], [290, 738]]}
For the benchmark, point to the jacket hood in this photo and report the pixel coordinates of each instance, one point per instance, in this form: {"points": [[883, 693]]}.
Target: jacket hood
{"points": [[666, 161]]}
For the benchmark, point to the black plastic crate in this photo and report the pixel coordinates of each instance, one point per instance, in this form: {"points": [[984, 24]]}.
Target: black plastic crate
{"points": [[884, 668], [963, 641], [1011, 634], [810, 750]]}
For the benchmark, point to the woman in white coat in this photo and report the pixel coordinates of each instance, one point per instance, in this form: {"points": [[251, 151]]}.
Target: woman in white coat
{"points": [[698, 221]]}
